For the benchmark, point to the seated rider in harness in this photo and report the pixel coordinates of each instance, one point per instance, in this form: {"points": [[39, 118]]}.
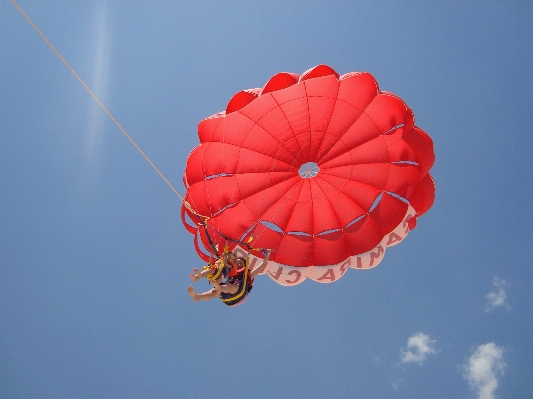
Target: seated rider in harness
{"points": [[235, 289], [218, 271]]}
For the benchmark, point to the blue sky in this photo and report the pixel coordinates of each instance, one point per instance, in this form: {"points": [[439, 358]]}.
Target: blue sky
{"points": [[94, 258]]}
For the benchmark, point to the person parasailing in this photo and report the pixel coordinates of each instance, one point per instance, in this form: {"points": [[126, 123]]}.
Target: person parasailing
{"points": [[218, 270], [234, 291]]}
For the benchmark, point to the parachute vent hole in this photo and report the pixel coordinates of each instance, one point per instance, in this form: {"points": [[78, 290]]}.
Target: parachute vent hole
{"points": [[299, 233], [272, 226], [376, 202], [328, 232], [308, 170], [354, 221], [392, 129], [219, 175], [398, 196]]}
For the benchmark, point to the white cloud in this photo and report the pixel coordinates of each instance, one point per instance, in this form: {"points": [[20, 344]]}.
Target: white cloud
{"points": [[397, 384], [484, 368], [419, 347], [497, 297]]}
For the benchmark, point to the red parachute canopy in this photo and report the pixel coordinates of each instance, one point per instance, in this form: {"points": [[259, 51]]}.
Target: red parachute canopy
{"points": [[326, 170]]}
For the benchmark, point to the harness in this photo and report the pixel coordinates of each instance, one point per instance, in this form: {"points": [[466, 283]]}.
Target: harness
{"points": [[220, 268], [245, 285], [202, 223], [242, 292]]}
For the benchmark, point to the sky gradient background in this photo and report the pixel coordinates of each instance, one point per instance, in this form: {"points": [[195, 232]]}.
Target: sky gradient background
{"points": [[94, 258]]}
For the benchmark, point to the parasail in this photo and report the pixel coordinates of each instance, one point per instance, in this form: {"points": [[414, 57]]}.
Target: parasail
{"points": [[326, 170]]}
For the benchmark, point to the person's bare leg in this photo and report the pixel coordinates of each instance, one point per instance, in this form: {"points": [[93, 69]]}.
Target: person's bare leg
{"points": [[204, 296], [216, 283]]}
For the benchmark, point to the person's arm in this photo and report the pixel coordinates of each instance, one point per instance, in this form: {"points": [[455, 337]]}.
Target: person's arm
{"points": [[259, 269]]}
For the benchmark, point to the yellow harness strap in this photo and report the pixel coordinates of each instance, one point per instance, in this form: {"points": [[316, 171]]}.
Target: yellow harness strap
{"points": [[216, 275]]}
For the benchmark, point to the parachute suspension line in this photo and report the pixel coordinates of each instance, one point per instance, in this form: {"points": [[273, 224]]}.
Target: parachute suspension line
{"points": [[280, 141], [370, 159], [286, 195], [308, 138], [287, 131], [210, 195], [219, 200], [99, 102], [203, 219], [211, 243]]}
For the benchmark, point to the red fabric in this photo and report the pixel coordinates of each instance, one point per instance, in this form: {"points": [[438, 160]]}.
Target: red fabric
{"points": [[190, 228], [233, 271], [422, 195], [244, 174], [201, 254]]}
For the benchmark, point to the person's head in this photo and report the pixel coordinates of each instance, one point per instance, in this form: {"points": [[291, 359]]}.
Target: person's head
{"points": [[240, 262], [230, 256]]}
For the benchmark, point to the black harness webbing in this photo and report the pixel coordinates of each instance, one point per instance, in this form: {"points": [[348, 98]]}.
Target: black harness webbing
{"points": [[243, 288]]}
